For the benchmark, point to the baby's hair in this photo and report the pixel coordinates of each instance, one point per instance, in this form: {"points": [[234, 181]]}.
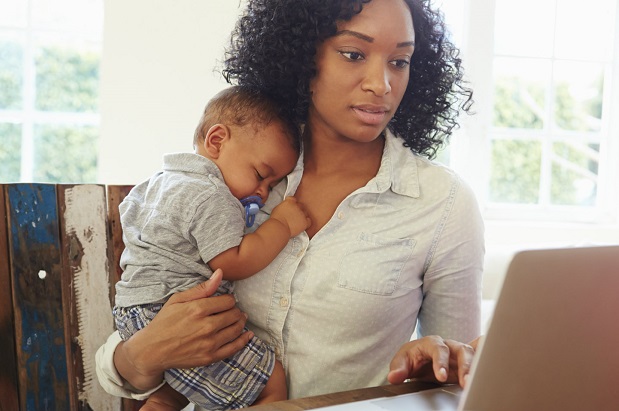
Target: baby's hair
{"points": [[240, 106]]}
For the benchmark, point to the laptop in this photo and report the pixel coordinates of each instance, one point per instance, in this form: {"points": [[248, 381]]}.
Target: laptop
{"points": [[552, 342]]}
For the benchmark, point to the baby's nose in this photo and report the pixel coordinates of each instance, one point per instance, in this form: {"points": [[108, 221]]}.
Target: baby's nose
{"points": [[263, 193]]}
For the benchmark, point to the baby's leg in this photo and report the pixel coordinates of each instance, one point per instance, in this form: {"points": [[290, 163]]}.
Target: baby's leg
{"points": [[275, 389], [165, 399]]}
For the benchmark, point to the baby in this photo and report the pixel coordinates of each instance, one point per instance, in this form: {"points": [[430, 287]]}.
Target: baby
{"points": [[189, 220]]}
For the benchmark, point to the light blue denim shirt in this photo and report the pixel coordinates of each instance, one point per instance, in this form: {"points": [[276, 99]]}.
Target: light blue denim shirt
{"points": [[405, 250]]}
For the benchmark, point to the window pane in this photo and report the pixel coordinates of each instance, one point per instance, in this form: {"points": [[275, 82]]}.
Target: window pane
{"points": [[67, 77], [11, 74], [524, 27], [14, 13], [515, 176], [578, 95], [520, 92], [65, 154], [85, 16], [574, 174], [10, 152], [585, 30]]}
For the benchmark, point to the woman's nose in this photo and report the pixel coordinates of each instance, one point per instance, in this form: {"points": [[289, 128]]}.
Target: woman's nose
{"points": [[377, 79]]}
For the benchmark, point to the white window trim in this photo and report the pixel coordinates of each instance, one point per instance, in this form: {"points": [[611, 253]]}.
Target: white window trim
{"points": [[470, 154], [28, 115]]}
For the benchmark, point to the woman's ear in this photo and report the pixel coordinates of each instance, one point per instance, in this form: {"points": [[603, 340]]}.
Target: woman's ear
{"points": [[215, 138]]}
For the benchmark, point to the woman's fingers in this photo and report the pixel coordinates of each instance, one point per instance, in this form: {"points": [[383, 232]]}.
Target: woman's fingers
{"points": [[202, 290], [189, 331], [462, 357], [424, 358], [432, 358]]}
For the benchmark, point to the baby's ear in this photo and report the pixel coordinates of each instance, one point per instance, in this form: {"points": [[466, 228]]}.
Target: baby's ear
{"points": [[215, 138]]}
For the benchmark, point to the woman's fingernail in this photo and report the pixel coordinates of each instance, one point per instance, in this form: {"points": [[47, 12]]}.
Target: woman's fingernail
{"points": [[442, 374]]}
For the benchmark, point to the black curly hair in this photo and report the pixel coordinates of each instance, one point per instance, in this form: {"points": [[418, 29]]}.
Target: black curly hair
{"points": [[273, 48]]}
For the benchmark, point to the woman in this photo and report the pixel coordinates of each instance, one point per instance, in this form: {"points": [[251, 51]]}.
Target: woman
{"points": [[396, 241]]}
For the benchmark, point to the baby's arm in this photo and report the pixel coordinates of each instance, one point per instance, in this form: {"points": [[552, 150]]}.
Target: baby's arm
{"points": [[259, 248]]}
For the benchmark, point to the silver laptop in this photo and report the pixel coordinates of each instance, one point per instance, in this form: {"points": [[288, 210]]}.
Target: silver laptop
{"points": [[552, 343]]}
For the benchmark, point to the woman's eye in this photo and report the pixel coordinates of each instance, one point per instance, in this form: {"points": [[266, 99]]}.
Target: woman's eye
{"points": [[352, 55], [401, 63]]}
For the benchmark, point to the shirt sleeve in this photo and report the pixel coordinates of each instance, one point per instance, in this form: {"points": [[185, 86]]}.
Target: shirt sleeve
{"points": [[109, 378], [217, 224], [451, 304]]}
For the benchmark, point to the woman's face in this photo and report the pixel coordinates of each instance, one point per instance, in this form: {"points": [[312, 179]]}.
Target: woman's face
{"points": [[362, 72]]}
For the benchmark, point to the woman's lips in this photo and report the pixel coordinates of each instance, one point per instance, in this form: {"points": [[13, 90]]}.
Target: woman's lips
{"points": [[369, 115]]}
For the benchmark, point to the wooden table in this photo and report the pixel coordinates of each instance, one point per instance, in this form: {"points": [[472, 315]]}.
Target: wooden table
{"points": [[345, 397]]}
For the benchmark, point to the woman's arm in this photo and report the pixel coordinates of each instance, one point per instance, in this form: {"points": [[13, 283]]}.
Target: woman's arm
{"points": [[190, 330], [452, 300]]}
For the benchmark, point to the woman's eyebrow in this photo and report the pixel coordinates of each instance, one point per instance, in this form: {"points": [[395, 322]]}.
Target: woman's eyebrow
{"points": [[361, 36], [370, 39]]}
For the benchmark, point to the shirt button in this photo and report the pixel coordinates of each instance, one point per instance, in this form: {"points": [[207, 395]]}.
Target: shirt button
{"points": [[300, 253], [340, 215], [283, 302], [277, 352]]}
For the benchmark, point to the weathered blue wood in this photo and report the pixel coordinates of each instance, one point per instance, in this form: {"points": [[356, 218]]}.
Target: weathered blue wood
{"points": [[34, 249]]}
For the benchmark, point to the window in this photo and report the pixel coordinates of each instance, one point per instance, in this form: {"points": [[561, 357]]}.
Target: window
{"points": [[543, 144], [49, 80]]}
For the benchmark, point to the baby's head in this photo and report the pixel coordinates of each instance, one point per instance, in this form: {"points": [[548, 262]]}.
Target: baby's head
{"points": [[244, 133]]}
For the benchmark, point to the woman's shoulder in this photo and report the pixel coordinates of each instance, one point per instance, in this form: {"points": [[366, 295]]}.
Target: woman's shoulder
{"points": [[426, 170], [432, 177]]}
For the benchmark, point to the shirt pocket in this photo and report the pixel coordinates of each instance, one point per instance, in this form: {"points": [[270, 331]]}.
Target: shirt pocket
{"points": [[373, 264]]}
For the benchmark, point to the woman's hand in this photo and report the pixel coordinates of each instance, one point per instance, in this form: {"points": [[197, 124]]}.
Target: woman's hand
{"points": [[433, 359], [190, 330]]}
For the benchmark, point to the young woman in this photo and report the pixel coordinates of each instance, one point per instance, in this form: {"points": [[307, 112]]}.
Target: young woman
{"points": [[396, 241]]}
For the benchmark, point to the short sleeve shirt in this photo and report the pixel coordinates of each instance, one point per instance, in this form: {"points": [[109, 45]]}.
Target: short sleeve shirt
{"points": [[173, 224]]}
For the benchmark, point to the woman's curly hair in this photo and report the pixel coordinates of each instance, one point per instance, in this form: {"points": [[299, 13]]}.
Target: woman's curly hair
{"points": [[273, 48]]}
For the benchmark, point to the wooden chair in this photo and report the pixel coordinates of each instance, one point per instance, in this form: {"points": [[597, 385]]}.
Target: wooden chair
{"points": [[59, 251]]}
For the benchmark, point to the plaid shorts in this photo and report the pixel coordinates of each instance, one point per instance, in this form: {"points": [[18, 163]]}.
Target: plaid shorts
{"points": [[232, 383]]}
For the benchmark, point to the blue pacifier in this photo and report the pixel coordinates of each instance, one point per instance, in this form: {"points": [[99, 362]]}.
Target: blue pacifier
{"points": [[252, 204]]}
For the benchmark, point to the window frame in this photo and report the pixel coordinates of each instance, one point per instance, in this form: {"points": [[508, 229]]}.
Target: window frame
{"points": [[471, 145], [28, 116]]}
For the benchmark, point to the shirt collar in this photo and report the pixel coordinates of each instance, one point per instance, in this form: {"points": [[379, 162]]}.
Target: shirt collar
{"points": [[191, 163], [398, 170]]}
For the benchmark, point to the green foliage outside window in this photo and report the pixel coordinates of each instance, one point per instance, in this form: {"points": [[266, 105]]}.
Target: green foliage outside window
{"points": [[517, 104], [65, 154], [10, 152], [67, 81], [10, 76], [515, 171], [516, 164], [575, 184]]}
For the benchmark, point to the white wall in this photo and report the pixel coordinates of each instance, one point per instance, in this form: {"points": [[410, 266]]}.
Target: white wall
{"points": [[156, 76]]}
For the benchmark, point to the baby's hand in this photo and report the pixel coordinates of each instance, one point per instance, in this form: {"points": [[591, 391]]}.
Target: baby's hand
{"points": [[292, 213]]}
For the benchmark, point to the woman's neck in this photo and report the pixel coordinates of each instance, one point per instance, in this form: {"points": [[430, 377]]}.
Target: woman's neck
{"points": [[323, 155]]}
